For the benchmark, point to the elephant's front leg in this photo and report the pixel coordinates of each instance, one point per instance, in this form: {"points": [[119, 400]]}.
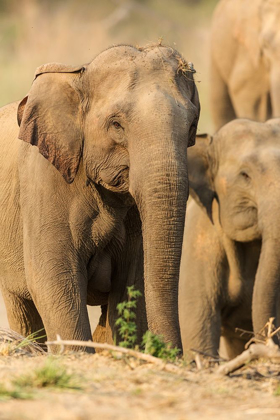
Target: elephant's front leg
{"points": [[200, 288], [199, 315], [58, 287]]}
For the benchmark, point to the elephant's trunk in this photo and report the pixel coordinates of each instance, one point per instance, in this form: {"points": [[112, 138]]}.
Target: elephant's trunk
{"points": [[161, 197], [267, 283]]}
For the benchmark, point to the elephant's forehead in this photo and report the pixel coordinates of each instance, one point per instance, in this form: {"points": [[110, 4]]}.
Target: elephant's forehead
{"points": [[248, 135], [125, 58], [244, 142]]}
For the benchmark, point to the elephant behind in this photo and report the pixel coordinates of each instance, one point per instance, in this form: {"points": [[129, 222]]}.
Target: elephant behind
{"points": [[86, 191], [230, 268], [245, 61]]}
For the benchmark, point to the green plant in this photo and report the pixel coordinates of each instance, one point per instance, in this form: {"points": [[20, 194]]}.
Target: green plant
{"points": [[50, 375], [153, 344], [16, 393], [125, 322]]}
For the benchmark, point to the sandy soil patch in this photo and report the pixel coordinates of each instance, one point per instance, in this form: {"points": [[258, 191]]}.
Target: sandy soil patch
{"points": [[127, 389]]}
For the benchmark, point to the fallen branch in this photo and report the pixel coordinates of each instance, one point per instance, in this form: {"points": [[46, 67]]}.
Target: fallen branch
{"points": [[138, 355], [255, 351], [210, 356], [263, 347]]}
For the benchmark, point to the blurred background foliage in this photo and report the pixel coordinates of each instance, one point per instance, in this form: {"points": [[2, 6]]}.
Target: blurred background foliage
{"points": [[33, 32]]}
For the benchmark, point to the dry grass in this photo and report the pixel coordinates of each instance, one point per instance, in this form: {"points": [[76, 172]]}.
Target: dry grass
{"points": [[12, 343]]}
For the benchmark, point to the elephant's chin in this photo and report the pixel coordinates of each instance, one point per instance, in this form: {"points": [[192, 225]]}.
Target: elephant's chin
{"points": [[117, 182], [249, 234], [242, 226]]}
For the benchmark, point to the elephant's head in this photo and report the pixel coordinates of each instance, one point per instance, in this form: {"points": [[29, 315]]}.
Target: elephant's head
{"points": [[127, 118], [240, 168]]}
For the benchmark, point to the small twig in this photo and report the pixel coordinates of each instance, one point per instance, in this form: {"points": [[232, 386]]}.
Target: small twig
{"points": [[243, 332], [275, 332], [255, 351], [253, 340], [217, 358], [198, 362], [142, 356], [271, 331], [62, 348], [267, 334], [125, 359], [270, 327]]}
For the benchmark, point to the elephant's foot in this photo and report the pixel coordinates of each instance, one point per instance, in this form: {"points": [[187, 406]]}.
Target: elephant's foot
{"points": [[99, 335]]}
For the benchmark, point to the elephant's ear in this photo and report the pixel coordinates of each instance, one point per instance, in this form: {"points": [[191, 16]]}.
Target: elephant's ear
{"points": [[201, 163], [193, 128], [50, 117]]}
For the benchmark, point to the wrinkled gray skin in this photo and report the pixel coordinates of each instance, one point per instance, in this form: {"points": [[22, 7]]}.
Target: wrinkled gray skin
{"points": [[230, 269], [110, 144], [245, 61]]}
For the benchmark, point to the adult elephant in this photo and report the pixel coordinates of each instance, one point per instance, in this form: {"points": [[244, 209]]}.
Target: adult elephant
{"points": [[245, 61], [111, 140], [230, 269]]}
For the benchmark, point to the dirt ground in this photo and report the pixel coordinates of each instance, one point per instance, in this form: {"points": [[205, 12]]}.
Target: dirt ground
{"points": [[119, 389], [127, 389]]}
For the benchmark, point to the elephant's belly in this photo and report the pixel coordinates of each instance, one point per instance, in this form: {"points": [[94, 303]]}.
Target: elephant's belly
{"points": [[96, 298], [99, 279]]}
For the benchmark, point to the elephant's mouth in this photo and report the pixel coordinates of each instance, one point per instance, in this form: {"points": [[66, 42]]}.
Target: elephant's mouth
{"points": [[116, 181], [241, 222]]}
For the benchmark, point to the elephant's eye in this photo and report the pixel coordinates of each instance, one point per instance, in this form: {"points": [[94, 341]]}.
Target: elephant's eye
{"points": [[245, 175], [116, 124], [116, 130]]}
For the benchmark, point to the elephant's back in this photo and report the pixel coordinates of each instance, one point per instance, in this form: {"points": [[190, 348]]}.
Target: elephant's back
{"points": [[9, 146], [8, 119], [9, 130], [235, 11], [10, 224]]}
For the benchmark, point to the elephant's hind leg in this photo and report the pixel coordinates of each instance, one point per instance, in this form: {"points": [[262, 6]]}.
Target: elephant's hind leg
{"points": [[23, 316], [99, 335], [221, 104]]}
